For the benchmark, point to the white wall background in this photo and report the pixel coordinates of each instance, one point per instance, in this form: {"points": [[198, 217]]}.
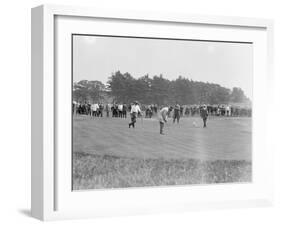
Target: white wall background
{"points": [[15, 111]]}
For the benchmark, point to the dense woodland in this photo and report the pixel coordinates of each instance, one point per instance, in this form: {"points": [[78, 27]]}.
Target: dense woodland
{"points": [[124, 88]]}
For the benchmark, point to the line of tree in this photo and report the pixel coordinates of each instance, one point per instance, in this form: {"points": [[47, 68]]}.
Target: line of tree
{"points": [[124, 88], [159, 90], [84, 91]]}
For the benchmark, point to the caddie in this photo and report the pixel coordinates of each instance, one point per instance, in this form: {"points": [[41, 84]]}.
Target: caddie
{"points": [[204, 115]]}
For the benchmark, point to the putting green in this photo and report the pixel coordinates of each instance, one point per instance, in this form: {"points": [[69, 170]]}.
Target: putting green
{"points": [[224, 138]]}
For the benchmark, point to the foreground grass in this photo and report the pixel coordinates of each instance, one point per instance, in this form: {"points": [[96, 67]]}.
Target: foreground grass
{"points": [[92, 171]]}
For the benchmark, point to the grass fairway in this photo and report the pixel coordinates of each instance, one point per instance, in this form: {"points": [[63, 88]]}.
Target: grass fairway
{"points": [[107, 154]]}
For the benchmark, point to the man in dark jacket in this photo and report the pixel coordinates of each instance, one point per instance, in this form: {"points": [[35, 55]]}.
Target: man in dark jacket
{"points": [[124, 111], [107, 109], [177, 113], [100, 112], [204, 115]]}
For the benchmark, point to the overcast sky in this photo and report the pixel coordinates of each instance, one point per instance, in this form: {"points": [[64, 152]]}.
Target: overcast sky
{"points": [[228, 64]]}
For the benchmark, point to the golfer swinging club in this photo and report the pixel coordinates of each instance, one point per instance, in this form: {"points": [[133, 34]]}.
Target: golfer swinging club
{"points": [[163, 116], [135, 109]]}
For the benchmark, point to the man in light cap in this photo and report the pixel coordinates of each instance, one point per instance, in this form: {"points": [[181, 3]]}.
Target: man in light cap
{"points": [[163, 116], [204, 115], [135, 110]]}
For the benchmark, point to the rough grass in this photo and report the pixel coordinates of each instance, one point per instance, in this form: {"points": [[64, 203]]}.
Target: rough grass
{"points": [[91, 171]]}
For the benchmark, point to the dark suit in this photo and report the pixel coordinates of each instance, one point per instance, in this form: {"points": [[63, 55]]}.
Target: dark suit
{"points": [[204, 115]]}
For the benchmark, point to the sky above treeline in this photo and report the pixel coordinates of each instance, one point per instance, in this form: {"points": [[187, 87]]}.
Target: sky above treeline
{"points": [[227, 64]]}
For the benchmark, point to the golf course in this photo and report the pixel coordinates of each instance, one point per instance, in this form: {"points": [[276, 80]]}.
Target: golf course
{"points": [[107, 154]]}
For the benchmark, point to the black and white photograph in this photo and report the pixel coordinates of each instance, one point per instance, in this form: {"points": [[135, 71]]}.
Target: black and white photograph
{"points": [[150, 111]]}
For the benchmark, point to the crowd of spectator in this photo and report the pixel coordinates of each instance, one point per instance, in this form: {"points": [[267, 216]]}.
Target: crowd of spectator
{"points": [[120, 110]]}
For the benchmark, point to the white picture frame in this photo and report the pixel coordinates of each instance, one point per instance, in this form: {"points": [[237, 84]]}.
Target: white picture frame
{"points": [[48, 169]]}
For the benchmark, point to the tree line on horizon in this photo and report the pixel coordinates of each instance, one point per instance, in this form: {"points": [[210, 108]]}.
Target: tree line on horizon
{"points": [[124, 88]]}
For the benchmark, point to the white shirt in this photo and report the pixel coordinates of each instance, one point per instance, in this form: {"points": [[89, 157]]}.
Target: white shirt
{"points": [[135, 109], [95, 107], [163, 114], [120, 107]]}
